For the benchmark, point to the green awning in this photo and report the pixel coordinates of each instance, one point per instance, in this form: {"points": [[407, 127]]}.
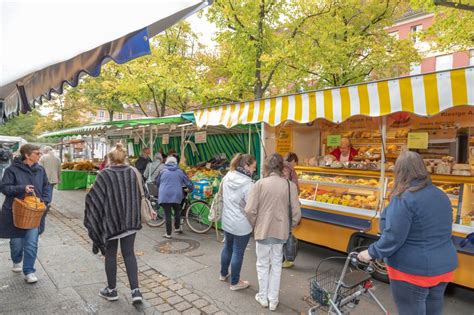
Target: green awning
{"points": [[176, 119], [76, 131]]}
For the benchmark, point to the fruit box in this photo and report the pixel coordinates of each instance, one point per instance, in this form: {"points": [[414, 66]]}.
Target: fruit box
{"points": [[202, 190]]}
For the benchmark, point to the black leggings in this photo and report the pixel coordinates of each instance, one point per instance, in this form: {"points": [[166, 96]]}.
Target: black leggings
{"points": [[169, 207], [128, 253]]}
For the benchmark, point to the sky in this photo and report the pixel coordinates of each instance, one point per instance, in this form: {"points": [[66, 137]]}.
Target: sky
{"points": [[205, 29]]}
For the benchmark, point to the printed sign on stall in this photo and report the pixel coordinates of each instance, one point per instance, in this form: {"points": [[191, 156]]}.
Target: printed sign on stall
{"points": [[284, 140], [166, 139], [200, 137], [417, 140], [334, 140]]}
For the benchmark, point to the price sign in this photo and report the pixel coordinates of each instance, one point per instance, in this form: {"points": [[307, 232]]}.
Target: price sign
{"points": [[417, 140], [334, 140], [200, 137], [284, 140], [166, 139]]}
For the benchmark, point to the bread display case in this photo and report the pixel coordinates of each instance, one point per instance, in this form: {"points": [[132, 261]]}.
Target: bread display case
{"points": [[344, 191]]}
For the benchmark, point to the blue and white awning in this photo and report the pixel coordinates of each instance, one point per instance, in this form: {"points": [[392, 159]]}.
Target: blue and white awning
{"points": [[46, 44]]}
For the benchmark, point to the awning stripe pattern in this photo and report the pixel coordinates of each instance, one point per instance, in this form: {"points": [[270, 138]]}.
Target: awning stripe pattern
{"points": [[424, 95]]}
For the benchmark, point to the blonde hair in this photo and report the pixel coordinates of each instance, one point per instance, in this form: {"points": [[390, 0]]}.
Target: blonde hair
{"points": [[241, 160], [118, 155]]}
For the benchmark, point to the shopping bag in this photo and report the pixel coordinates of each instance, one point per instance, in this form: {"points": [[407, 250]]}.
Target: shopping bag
{"points": [[215, 212], [290, 248]]}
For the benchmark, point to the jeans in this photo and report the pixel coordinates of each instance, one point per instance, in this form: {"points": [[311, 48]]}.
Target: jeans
{"points": [[233, 255], [269, 260], [127, 245], [25, 249], [168, 208], [415, 300]]}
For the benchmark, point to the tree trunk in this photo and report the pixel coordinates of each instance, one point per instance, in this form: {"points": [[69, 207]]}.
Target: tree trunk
{"points": [[258, 91], [163, 102], [111, 115], [141, 108]]}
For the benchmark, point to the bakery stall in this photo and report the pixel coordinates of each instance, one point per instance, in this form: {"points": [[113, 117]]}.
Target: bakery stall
{"points": [[342, 198]]}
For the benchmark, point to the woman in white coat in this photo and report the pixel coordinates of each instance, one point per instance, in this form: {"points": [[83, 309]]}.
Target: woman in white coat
{"points": [[236, 186]]}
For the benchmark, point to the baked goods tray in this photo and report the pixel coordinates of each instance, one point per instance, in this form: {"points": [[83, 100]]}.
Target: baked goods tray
{"points": [[342, 185]]}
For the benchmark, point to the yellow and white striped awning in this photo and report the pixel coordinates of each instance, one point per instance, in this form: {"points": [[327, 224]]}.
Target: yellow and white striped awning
{"points": [[424, 95]]}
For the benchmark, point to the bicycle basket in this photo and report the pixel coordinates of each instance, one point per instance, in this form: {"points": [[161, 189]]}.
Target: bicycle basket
{"points": [[323, 286]]}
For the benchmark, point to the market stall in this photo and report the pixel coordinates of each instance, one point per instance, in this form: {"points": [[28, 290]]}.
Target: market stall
{"points": [[342, 200]]}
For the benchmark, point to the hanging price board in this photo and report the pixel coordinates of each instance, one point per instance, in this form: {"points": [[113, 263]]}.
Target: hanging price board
{"points": [[200, 137], [334, 140], [166, 139], [417, 140]]}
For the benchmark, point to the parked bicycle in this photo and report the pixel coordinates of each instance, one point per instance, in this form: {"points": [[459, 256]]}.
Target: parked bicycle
{"points": [[195, 212]]}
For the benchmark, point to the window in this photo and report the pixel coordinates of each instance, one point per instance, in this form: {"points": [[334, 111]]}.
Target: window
{"points": [[129, 116], [471, 57], [444, 62], [120, 115], [414, 33], [415, 68], [101, 114], [394, 34]]}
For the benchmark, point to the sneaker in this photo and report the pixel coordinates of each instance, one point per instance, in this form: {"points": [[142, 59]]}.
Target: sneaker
{"points": [[224, 278], [263, 302], [287, 264], [273, 306], [31, 278], [167, 236], [240, 286], [137, 296], [17, 267], [179, 231], [109, 295]]}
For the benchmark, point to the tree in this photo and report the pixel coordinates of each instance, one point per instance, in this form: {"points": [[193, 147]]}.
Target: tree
{"points": [[64, 111], [453, 28], [274, 46], [21, 126]]}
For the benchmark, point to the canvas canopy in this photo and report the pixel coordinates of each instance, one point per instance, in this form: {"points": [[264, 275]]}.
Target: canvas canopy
{"points": [[424, 95], [46, 44]]}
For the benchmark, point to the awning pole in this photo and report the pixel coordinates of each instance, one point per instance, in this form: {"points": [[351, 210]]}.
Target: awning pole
{"points": [[250, 138], [383, 132], [152, 141], [263, 152], [93, 146]]}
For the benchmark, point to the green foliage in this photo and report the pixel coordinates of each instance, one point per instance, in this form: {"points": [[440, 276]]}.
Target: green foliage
{"points": [[21, 126], [453, 28]]}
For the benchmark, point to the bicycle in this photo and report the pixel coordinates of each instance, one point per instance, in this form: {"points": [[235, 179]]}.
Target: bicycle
{"points": [[339, 291], [195, 212]]}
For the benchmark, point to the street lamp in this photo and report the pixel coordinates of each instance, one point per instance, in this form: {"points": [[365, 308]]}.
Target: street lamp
{"points": [[454, 4]]}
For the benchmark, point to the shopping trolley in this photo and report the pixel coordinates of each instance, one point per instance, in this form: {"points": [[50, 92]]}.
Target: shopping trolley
{"points": [[340, 292]]}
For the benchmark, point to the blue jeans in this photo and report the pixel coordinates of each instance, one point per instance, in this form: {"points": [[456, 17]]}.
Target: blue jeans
{"points": [[25, 249], [233, 255], [415, 300]]}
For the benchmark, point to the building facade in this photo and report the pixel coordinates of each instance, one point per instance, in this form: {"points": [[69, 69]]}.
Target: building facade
{"points": [[413, 23]]}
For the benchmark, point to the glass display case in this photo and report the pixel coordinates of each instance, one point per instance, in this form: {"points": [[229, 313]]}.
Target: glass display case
{"points": [[352, 192]]}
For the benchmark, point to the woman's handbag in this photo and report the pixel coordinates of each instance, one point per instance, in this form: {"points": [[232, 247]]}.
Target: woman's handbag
{"points": [[290, 248], [146, 209], [215, 212], [27, 213]]}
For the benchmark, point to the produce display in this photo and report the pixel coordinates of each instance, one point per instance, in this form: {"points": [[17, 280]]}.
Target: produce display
{"points": [[198, 173], [79, 166]]}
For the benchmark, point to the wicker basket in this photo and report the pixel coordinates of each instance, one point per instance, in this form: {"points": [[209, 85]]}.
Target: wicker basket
{"points": [[27, 215]]}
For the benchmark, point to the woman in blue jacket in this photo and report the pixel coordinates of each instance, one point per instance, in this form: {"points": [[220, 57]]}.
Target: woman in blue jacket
{"points": [[23, 176], [170, 182], [416, 239]]}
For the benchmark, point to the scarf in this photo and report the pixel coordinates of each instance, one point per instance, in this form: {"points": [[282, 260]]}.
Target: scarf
{"points": [[242, 170]]}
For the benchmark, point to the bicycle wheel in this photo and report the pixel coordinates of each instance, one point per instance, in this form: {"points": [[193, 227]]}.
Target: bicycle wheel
{"points": [[196, 217], [160, 216]]}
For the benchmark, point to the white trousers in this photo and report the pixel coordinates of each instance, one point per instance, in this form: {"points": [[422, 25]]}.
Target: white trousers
{"points": [[269, 260]]}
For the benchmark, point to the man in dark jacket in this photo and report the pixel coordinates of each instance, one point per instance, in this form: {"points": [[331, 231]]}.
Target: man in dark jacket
{"points": [[143, 160], [24, 176]]}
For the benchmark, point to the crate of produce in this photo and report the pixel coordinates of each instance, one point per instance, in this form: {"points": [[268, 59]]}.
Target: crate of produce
{"points": [[202, 190]]}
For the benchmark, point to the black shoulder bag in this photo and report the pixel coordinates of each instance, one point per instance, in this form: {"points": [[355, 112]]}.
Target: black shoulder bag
{"points": [[290, 249]]}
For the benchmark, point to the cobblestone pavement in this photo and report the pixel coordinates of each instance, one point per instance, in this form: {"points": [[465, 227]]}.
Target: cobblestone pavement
{"points": [[161, 293]]}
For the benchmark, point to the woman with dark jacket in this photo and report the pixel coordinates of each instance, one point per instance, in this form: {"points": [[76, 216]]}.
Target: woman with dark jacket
{"points": [[23, 177], [170, 182], [416, 239], [113, 214]]}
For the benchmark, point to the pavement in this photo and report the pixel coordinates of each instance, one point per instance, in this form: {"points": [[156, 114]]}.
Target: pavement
{"points": [[176, 277]]}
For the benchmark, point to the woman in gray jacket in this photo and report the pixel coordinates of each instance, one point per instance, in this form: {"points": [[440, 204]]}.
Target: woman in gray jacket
{"points": [[268, 212], [236, 186]]}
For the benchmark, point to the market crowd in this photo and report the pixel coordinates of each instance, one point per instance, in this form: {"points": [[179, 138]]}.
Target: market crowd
{"points": [[415, 227]]}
